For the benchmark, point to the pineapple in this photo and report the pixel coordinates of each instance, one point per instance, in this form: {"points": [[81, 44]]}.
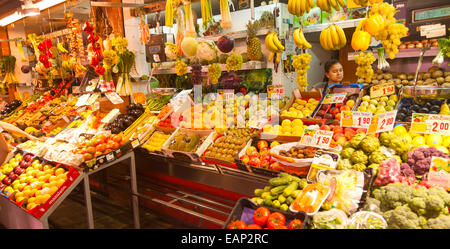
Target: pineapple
{"points": [[253, 43]]}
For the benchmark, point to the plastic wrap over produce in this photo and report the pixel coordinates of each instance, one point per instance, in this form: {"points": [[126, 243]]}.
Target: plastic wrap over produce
{"points": [[367, 220], [331, 219], [348, 191]]}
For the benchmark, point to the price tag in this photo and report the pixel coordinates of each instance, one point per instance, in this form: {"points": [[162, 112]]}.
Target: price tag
{"points": [[275, 91], [440, 179], [430, 123], [110, 157], [440, 164], [383, 122], [82, 100], [220, 95], [316, 138], [334, 98], [257, 123], [92, 99], [135, 143], [381, 90], [356, 119], [228, 94], [114, 98]]}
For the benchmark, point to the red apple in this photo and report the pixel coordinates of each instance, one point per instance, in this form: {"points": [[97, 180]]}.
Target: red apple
{"points": [[7, 181], [338, 105], [254, 162], [338, 129], [249, 150], [265, 157], [265, 150], [245, 159], [262, 144], [325, 128], [12, 175], [334, 111], [274, 165], [265, 164], [254, 154]]}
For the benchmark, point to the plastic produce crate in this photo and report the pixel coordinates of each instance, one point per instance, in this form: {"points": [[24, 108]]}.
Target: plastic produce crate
{"points": [[245, 208]]}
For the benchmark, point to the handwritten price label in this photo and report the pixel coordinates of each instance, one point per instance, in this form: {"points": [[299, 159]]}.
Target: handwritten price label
{"points": [[334, 98], [356, 119], [135, 143], [381, 90], [82, 100], [383, 122], [316, 138], [430, 123], [275, 91], [228, 94]]}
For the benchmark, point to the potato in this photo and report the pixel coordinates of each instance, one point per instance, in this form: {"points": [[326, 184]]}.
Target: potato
{"points": [[426, 76], [387, 76], [383, 81], [433, 69], [379, 76], [405, 82], [420, 76], [375, 81], [419, 82], [447, 78], [436, 74], [402, 76], [440, 80], [429, 81], [390, 82], [410, 76], [446, 84], [446, 73]]}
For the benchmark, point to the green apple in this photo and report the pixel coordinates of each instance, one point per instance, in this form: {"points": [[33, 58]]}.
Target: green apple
{"points": [[391, 103], [384, 98], [373, 102], [365, 103], [366, 98]]}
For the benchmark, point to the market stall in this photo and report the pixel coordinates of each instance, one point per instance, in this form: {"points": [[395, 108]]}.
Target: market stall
{"points": [[211, 104]]}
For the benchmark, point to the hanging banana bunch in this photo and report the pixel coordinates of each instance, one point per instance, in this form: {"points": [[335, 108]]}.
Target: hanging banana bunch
{"points": [[274, 45], [206, 12], [333, 38], [329, 5], [300, 7], [300, 40], [363, 3], [21, 52], [169, 13]]}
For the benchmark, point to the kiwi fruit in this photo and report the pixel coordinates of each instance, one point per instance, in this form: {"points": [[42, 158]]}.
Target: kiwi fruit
{"points": [[375, 81], [440, 80], [426, 76], [402, 76], [447, 78]]}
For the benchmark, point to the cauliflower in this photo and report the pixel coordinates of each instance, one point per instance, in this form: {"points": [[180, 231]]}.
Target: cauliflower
{"points": [[440, 222], [344, 164], [347, 152], [369, 144], [359, 157], [356, 140], [377, 157], [386, 137], [402, 218], [420, 159], [207, 50], [393, 195], [359, 166]]}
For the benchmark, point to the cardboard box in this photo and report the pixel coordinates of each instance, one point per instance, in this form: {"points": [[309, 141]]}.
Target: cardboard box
{"points": [[304, 96]]}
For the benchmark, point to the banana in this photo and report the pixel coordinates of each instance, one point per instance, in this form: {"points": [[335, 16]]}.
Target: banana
{"points": [[278, 58], [303, 6], [20, 48], [341, 34], [61, 49], [322, 40], [277, 43], [334, 37], [341, 3], [334, 4], [303, 40], [271, 55], [320, 4], [329, 40], [308, 6], [297, 39], [290, 6], [297, 7], [270, 43]]}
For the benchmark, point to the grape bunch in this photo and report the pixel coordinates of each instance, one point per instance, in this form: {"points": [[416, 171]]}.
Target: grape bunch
{"points": [[301, 65], [234, 62], [180, 67], [392, 32], [196, 74], [214, 72], [364, 62]]}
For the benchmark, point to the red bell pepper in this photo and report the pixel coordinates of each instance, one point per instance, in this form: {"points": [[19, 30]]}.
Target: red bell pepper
{"points": [[87, 27], [94, 61], [42, 47], [48, 43], [43, 58], [100, 70]]}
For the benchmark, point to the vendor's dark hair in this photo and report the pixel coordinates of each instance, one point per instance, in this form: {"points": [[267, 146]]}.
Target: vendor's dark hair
{"points": [[328, 65]]}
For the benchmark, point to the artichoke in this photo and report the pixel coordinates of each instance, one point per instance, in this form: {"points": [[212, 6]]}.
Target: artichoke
{"points": [[347, 152], [369, 144], [377, 157], [359, 157], [344, 164], [359, 166], [386, 137], [356, 140], [398, 145]]}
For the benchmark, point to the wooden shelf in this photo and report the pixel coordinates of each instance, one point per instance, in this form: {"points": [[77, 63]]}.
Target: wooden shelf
{"points": [[403, 53], [236, 35], [343, 24]]}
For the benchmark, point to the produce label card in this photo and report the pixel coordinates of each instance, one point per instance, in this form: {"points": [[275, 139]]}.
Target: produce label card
{"points": [[440, 179], [430, 123], [381, 90], [334, 98], [316, 138], [322, 160], [275, 91], [440, 164], [114, 98], [92, 99], [83, 99], [110, 157], [135, 143], [228, 94], [383, 122], [356, 119]]}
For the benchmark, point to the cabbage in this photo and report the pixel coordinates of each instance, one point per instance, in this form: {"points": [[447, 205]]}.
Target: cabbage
{"points": [[207, 50]]}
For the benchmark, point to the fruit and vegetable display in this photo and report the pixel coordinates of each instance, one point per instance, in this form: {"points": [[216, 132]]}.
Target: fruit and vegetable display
{"points": [[155, 142], [123, 121], [10, 107], [226, 147], [378, 105], [408, 106], [332, 112]]}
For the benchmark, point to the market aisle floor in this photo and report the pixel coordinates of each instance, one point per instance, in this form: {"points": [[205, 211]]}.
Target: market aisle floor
{"points": [[111, 207]]}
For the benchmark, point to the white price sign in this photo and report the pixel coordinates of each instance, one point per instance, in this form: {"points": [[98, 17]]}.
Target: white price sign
{"points": [[334, 98], [82, 100], [356, 119], [317, 138], [228, 94], [110, 157], [135, 143], [385, 121]]}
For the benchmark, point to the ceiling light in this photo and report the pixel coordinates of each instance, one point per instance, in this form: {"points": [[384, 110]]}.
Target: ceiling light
{"points": [[29, 9]]}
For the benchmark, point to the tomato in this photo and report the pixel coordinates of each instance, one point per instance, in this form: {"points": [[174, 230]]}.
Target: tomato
{"points": [[261, 215], [280, 227], [253, 226], [237, 225], [296, 224], [276, 219]]}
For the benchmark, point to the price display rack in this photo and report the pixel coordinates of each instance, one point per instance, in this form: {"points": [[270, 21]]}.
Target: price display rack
{"points": [[12, 216]]}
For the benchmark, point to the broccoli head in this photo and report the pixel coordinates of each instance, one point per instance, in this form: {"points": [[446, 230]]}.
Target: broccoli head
{"points": [[377, 157], [393, 195], [369, 144], [429, 203], [356, 140], [402, 218], [359, 157], [347, 152], [440, 222]]}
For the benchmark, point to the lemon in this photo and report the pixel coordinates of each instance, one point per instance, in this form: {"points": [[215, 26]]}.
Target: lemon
{"points": [[286, 122], [400, 130], [434, 140], [286, 129], [418, 141], [446, 141], [296, 122]]}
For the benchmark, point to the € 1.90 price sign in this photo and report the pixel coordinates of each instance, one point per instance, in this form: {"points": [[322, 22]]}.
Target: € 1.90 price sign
{"points": [[381, 90], [356, 119]]}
